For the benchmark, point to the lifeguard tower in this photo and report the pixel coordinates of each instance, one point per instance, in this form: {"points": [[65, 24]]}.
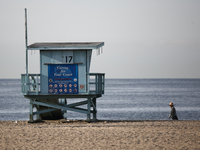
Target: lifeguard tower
{"points": [[64, 74]]}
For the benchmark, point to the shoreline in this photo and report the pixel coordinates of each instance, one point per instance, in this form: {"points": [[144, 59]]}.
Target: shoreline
{"points": [[100, 134]]}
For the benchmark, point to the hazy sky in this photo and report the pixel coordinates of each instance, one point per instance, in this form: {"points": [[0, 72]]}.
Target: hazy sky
{"points": [[143, 38]]}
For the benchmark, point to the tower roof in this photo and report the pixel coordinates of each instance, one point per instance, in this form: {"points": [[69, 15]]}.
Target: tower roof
{"points": [[65, 46]]}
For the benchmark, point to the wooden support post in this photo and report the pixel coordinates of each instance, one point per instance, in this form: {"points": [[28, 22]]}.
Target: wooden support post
{"points": [[31, 112], [38, 115], [65, 111], [94, 109], [88, 108]]}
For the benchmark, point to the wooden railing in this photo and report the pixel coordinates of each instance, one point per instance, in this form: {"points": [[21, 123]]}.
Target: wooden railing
{"points": [[30, 83], [96, 82]]}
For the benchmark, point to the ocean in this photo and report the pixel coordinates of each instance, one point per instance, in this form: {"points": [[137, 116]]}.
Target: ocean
{"points": [[124, 99]]}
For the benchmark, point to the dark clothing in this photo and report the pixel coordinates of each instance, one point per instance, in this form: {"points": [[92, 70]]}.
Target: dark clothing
{"points": [[173, 114]]}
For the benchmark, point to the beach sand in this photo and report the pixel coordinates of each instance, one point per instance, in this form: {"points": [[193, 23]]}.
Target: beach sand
{"points": [[134, 134]]}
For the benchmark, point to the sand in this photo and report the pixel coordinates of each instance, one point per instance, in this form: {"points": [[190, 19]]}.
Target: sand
{"points": [[62, 134]]}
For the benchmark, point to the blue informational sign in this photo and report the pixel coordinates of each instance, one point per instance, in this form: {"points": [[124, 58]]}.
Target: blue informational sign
{"points": [[63, 78]]}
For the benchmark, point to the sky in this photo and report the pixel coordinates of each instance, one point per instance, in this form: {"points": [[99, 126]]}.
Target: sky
{"points": [[143, 38]]}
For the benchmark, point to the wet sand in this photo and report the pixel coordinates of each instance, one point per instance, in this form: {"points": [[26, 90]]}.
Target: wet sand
{"points": [[134, 134]]}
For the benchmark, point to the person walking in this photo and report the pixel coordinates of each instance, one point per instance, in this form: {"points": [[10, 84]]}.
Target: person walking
{"points": [[173, 114]]}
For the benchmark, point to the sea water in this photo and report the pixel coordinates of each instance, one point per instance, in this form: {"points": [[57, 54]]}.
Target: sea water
{"points": [[124, 99]]}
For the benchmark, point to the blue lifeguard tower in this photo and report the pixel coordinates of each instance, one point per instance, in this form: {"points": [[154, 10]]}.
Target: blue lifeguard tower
{"points": [[64, 74]]}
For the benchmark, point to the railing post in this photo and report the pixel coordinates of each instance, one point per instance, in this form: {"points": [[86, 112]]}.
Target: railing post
{"points": [[96, 83], [88, 83], [100, 84], [29, 83], [22, 84], [37, 84], [26, 84]]}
